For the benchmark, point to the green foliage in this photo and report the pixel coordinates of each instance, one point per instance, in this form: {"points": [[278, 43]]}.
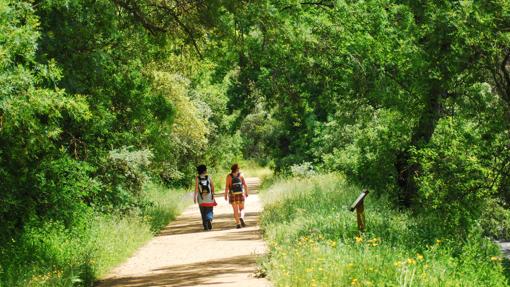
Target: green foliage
{"points": [[257, 131], [90, 112], [495, 220], [123, 175], [97, 98], [313, 240], [369, 88], [52, 254], [32, 122]]}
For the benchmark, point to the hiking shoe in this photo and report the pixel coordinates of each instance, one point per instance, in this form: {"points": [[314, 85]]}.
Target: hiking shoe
{"points": [[238, 226], [209, 224], [242, 223]]}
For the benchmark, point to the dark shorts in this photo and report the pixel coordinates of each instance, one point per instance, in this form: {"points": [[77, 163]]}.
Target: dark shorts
{"points": [[236, 198]]}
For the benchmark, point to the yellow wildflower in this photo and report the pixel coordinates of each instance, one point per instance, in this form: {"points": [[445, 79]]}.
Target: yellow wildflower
{"points": [[374, 240], [359, 239], [419, 257], [411, 261], [495, 258]]}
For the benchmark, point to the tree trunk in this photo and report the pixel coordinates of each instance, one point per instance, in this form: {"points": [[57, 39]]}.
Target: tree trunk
{"points": [[422, 133]]}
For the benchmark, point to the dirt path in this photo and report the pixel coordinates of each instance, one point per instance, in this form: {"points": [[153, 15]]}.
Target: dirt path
{"points": [[185, 255]]}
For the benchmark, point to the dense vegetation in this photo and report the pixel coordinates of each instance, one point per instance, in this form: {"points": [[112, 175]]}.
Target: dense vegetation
{"points": [[314, 241], [408, 98], [102, 101], [96, 115]]}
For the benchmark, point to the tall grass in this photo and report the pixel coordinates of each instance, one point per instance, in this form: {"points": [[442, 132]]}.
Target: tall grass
{"points": [[313, 241], [50, 255]]}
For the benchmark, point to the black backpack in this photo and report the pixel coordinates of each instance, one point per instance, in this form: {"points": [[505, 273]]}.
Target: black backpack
{"points": [[237, 184], [204, 185]]}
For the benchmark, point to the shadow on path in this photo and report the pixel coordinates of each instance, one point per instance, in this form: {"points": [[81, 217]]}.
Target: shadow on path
{"points": [[192, 224], [186, 275]]}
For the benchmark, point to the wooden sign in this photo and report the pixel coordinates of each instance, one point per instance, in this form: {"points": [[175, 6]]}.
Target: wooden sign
{"points": [[359, 200], [360, 209]]}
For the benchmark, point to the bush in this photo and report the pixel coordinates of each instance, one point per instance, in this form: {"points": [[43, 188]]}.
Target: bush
{"points": [[457, 178], [495, 220], [123, 175], [302, 170]]}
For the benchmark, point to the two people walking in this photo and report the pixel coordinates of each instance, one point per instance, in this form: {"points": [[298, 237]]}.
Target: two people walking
{"points": [[236, 191]]}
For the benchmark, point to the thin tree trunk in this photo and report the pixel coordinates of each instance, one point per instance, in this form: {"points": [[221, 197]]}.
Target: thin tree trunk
{"points": [[422, 134]]}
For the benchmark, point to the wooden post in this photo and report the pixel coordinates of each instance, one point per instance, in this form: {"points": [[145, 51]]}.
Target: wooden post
{"points": [[360, 209], [360, 215]]}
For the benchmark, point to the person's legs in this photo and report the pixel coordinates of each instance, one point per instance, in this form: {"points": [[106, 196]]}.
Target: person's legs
{"points": [[203, 213], [211, 213], [209, 217], [241, 214], [236, 212]]}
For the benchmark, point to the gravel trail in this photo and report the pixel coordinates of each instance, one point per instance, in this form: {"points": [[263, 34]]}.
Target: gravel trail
{"points": [[185, 255]]}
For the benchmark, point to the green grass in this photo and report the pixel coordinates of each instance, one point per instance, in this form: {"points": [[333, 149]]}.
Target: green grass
{"points": [[165, 205], [51, 255], [313, 241]]}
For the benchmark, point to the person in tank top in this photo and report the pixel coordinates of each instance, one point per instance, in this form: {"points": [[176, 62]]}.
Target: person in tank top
{"points": [[236, 191]]}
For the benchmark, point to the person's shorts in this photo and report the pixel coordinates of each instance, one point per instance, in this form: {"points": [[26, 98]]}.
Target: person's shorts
{"points": [[236, 198]]}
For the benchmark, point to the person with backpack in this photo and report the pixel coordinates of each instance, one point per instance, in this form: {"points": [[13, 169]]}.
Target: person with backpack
{"points": [[236, 190], [204, 196]]}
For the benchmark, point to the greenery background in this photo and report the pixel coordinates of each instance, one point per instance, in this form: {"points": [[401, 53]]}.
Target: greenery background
{"points": [[107, 106]]}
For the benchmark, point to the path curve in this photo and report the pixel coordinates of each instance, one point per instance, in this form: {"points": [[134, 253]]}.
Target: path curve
{"points": [[185, 255]]}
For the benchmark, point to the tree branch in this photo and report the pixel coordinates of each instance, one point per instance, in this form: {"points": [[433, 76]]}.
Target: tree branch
{"points": [[320, 4], [504, 70], [329, 5], [136, 13], [183, 27], [154, 28]]}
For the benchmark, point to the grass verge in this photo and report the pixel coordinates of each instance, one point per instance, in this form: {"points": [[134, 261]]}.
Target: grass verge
{"points": [[313, 241], [51, 255]]}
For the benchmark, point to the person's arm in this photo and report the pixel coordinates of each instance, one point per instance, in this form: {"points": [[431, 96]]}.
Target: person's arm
{"points": [[227, 186], [212, 187], [195, 194], [245, 187]]}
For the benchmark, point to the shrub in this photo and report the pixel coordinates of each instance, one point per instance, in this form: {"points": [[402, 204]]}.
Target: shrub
{"points": [[302, 170], [123, 175]]}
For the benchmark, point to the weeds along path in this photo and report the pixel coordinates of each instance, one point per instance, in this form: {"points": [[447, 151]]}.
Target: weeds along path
{"points": [[185, 255]]}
